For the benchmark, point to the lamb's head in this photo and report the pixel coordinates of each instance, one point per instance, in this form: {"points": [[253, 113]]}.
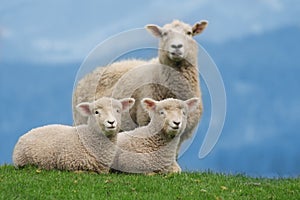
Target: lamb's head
{"points": [[176, 41], [104, 114], [170, 115]]}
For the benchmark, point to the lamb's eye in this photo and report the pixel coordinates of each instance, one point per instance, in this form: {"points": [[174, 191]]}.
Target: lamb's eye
{"points": [[161, 112], [164, 34], [118, 110], [96, 112], [183, 112], [189, 33]]}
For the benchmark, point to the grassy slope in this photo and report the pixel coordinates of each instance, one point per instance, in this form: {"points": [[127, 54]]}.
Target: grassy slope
{"points": [[32, 183]]}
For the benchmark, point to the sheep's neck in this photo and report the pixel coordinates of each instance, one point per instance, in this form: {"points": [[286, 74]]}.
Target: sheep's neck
{"points": [[160, 136], [94, 142], [112, 138], [165, 60], [183, 77], [94, 131], [191, 74], [151, 139]]}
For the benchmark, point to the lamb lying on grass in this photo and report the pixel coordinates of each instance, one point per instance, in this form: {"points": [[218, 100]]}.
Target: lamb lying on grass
{"points": [[152, 148], [88, 147]]}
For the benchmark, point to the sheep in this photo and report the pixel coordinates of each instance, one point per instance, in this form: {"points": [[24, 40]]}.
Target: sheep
{"points": [[174, 74], [152, 148], [89, 147]]}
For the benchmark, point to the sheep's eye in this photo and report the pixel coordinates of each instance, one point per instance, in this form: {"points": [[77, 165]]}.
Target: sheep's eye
{"points": [[96, 112], [183, 112], [189, 33], [164, 33], [161, 112], [118, 110]]}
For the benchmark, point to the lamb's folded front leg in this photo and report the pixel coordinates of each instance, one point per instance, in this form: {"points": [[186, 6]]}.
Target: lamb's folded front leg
{"points": [[174, 168]]}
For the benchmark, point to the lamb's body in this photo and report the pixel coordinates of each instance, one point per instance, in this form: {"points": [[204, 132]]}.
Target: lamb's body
{"points": [[174, 74], [88, 147], [140, 153], [63, 147], [153, 148]]}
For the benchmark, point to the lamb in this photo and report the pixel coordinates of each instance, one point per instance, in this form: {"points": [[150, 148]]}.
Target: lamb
{"points": [[174, 74], [88, 147], [152, 148]]}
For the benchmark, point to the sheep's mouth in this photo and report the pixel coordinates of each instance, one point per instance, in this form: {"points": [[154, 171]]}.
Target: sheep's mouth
{"points": [[176, 55], [174, 127], [111, 127]]}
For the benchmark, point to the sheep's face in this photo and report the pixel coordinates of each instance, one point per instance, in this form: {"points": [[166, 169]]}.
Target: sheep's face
{"points": [[170, 114], [105, 114], [176, 41], [174, 117]]}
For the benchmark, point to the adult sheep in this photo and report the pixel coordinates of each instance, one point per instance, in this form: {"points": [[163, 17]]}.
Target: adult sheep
{"points": [[153, 148], [86, 147], [174, 74]]}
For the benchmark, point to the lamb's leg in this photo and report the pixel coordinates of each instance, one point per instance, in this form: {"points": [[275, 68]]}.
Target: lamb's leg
{"points": [[174, 168]]}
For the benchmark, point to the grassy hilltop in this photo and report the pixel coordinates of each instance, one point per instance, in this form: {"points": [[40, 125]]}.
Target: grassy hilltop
{"points": [[33, 183]]}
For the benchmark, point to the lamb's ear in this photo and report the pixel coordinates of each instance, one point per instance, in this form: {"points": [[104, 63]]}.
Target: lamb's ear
{"points": [[84, 109], [154, 30], [127, 103], [148, 104], [199, 27], [192, 103]]}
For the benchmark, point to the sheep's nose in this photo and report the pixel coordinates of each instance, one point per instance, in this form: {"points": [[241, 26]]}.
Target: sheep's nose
{"points": [[178, 46], [176, 123], [111, 122]]}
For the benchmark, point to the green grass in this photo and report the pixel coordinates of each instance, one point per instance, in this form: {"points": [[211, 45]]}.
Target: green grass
{"points": [[32, 183]]}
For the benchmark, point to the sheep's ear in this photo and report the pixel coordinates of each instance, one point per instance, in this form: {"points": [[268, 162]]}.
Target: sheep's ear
{"points": [[127, 103], [84, 109], [148, 104], [192, 104], [154, 30], [199, 27]]}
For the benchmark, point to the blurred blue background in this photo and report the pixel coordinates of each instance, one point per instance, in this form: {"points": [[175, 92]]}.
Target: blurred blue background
{"points": [[255, 44]]}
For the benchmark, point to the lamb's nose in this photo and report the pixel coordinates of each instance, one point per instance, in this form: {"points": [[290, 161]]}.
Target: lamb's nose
{"points": [[177, 46], [176, 123], [111, 122]]}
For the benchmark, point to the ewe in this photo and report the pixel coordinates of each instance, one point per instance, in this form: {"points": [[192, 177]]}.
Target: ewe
{"points": [[174, 74], [87, 147], [152, 148]]}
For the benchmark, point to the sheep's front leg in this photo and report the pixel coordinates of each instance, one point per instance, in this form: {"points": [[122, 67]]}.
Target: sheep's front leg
{"points": [[174, 168]]}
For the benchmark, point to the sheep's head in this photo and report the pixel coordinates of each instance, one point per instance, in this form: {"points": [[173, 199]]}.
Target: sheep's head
{"points": [[170, 114], [105, 113], [176, 40]]}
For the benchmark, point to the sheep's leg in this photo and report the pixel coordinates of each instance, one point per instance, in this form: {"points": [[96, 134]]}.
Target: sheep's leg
{"points": [[174, 168]]}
